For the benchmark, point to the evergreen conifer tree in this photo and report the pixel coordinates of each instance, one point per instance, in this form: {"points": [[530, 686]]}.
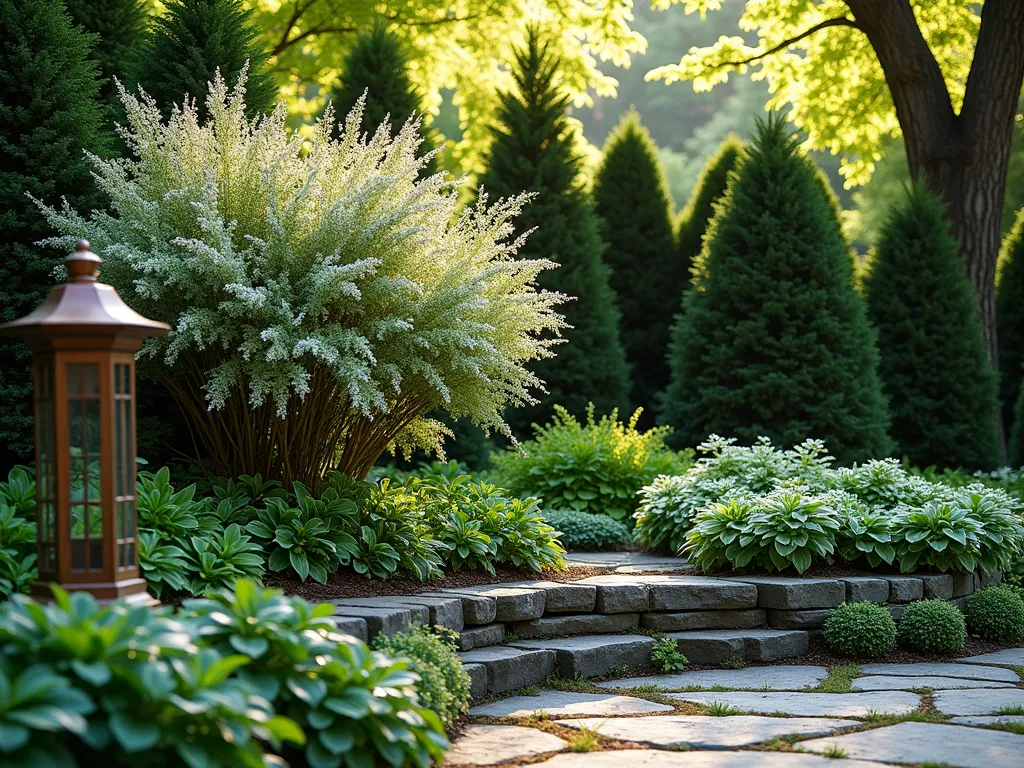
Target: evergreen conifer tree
{"points": [[631, 197], [694, 218], [1010, 318], [932, 358], [49, 112], [120, 26], [190, 42], [534, 151], [1015, 445], [378, 66], [774, 340]]}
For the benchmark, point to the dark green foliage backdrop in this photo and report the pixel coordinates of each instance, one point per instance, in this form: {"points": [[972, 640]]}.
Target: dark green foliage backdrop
{"points": [[534, 151], [632, 199], [378, 66], [49, 112], [695, 217], [932, 359], [190, 41], [774, 340], [1010, 318], [1015, 447], [120, 26]]}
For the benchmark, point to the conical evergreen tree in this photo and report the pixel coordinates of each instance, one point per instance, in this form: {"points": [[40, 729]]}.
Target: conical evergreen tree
{"points": [[774, 340], [120, 26], [378, 66], [694, 219], [932, 358], [1015, 445], [533, 151], [631, 197], [186, 46], [1010, 318], [49, 112]]}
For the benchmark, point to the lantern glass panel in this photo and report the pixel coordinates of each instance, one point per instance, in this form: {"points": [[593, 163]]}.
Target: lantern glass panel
{"points": [[84, 459], [45, 470], [124, 466]]}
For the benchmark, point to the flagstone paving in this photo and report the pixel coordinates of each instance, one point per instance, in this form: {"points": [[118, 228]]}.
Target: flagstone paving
{"points": [[983, 701], [951, 745], [1012, 657], [494, 744], [811, 704], [972, 671], [988, 720], [568, 703], [705, 731], [822, 727], [782, 678], [906, 682], [656, 759]]}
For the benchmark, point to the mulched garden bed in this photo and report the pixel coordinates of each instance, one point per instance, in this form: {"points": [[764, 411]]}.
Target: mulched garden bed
{"points": [[341, 585]]}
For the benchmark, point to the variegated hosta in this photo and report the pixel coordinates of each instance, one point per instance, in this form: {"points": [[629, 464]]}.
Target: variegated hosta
{"points": [[323, 294]]}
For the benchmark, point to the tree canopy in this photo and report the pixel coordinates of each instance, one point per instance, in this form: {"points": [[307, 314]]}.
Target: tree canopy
{"points": [[452, 44], [803, 46]]}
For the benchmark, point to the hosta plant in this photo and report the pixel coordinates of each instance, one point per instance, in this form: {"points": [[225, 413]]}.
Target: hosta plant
{"points": [[163, 565], [356, 707], [222, 557], [867, 533], [939, 534], [788, 530], [325, 294], [309, 537], [597, 467], [716, 531]]}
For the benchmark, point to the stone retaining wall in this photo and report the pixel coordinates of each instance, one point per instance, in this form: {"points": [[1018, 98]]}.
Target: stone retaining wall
{"points": [[516, 634]]}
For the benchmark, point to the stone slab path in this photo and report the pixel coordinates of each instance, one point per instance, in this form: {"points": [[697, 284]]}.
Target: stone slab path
{"points": [[568, 704], [773, 716], [704, 731], [914, 743], [902, 683], [812, 704], [781, 678], [655, 759]]}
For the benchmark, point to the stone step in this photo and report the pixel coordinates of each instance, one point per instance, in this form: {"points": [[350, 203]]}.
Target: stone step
{"points": [[594, 655], [438, 611], [573, 626], [481, 637], [719, 646], [384, 620], [625, 593], [687, 620], [509, 669]]}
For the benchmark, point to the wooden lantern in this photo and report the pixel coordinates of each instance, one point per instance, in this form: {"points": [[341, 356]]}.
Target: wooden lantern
{"points": [[83, 339]]}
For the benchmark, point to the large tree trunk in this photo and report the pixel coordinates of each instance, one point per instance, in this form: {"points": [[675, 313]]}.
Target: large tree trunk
{"points": [[963, 158]]}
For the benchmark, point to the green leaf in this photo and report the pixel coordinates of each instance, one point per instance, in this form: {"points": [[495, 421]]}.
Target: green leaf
{"points": [[250, 646], [97, 673], [133, 735]]}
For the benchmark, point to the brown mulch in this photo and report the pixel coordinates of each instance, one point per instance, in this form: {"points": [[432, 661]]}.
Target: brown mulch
{"points": [[348, 584]]}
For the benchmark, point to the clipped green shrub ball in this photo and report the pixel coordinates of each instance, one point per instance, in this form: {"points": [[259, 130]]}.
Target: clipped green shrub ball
{"points": [[932, 626], [587, 531], [860, 630], [444, 685], [996, 613]]}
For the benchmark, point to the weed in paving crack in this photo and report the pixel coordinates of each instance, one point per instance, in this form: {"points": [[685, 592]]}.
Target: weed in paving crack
{"points": [[721, 709], [834, 751], [839, 679], [584, 740]]}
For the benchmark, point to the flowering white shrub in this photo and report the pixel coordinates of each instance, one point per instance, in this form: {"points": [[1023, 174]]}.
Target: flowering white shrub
{"points": [[323, 295]]}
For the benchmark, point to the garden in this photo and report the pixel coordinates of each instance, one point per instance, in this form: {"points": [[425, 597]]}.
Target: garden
{"points": [[405, 388]]}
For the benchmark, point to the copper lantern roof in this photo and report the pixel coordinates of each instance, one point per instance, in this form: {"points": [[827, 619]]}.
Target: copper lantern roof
{"points": [[83, 307]]}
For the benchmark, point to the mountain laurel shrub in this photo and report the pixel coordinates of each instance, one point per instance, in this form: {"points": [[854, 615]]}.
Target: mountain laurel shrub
{"points": [[323, 297], [860, 630], [597, 466], [932, 626], [774, 509], [996, 613], [587, 532]]}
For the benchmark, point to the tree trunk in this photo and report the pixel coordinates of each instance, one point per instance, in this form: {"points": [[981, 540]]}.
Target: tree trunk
{"points": [[962, 158]]}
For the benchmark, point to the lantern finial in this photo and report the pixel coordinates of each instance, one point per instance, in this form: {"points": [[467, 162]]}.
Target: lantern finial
{"points": [[82, 264]]}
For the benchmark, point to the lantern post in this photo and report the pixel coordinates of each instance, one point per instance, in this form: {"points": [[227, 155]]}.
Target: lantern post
{"points": [[83, 339]]}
